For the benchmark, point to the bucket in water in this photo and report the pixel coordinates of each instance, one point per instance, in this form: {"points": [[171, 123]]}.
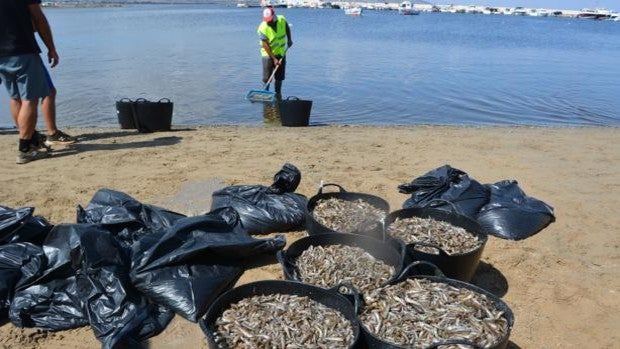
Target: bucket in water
{"points": [[295, 111], [153, 116], [124, 111]]}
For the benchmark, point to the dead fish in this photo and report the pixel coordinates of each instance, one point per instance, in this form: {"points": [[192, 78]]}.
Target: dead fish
{"points": [[441, 312], [282, 321], [451, 239], [347, 216], [327, 266]]}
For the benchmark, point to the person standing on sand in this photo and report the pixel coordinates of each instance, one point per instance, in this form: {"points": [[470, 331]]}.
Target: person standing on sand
{"points": [[275, 39], [23, 73], [48, 108]]}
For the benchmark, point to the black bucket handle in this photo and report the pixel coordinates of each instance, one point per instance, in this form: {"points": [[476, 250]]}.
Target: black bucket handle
{"points": [[450, 203], [291, 98], [425, 244], [408, 270], [125, 100], [403, 251], [285, 265], [353, 293], [342, 190], [452, 342], [134, 113], [167, 100]]}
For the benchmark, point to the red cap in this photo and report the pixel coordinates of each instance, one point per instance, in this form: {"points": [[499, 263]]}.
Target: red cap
{"points": [[268, 14]]}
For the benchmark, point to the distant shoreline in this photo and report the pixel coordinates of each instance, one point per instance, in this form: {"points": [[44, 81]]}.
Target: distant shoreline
{"points": [[593, 14]]}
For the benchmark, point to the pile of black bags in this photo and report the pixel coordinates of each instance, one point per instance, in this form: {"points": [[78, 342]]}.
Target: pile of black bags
{"points": [[125, 268], [502, 209]]}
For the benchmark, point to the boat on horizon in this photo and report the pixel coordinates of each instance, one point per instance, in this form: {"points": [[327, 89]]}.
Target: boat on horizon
{"points": [[353, 11], [596, 14], [406, 8]]}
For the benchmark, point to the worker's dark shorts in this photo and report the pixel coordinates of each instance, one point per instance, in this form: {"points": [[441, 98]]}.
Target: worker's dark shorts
{"points": [[25, 77], [268, 67]]}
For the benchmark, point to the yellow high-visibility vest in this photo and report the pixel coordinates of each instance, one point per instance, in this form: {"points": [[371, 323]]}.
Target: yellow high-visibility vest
{"points": [[275, 38]]}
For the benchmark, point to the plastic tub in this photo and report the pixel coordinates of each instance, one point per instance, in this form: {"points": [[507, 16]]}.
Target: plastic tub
{"points": [[313, 227], [456, 266], [154, 116], [387, 253], [125, 113], [373, 342], [328, 297], [295, 112]]}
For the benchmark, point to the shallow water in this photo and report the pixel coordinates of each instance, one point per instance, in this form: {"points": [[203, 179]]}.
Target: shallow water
{"points": [[381, 68]]}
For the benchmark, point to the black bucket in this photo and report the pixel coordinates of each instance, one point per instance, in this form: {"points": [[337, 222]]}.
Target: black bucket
{"points": [[295, 112], [373, 342], [390, 254], [328, 297], [313, 227], [124, 111], [153, 116], [456, 266]]}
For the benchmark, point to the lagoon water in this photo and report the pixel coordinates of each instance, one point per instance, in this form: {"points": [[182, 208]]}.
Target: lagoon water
{"points": [[380, 69]]}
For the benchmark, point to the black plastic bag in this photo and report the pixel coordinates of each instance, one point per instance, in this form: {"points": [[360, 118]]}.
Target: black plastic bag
{"points": [[19, 225], [267, 209], [87, 282], [20, 261], [448, 189], [119, 315], [510, 214], [127, 219], [51, 301], [196, 260]]}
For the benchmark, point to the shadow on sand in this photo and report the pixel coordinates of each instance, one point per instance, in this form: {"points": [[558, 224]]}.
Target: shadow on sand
{"points": [[489, 278], [121, 133], [83, 147]]}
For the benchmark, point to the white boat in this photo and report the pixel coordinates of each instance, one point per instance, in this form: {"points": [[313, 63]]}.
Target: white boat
{"points": [[599, 13], [353, 11], [519, 11], [406, 8]]}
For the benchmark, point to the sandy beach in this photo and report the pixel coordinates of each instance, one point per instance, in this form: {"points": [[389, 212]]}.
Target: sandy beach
{"points": [[563, 284]]}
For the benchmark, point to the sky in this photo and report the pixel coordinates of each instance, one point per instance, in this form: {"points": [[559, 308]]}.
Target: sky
{"points": [[552, 4]]}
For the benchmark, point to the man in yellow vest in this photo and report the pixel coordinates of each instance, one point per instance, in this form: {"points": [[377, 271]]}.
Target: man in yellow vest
{"points": [[275, 39]]}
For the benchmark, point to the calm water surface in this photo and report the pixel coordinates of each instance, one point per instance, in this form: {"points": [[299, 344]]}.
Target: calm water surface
{"points": [[379, 69]]}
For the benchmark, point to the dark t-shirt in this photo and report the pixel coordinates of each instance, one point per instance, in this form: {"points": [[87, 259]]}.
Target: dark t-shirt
{"points": [[16, 30]]}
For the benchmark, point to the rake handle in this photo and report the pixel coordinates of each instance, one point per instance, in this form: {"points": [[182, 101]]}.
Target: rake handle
{"points": [[275, 70], [272, 75]]}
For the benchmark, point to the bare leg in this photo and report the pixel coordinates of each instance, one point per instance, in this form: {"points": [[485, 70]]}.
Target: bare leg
{"points": [[27, 118], [15, 105], [48, 108]]}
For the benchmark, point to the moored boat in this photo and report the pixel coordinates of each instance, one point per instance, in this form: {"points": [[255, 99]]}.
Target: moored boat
{"points": [[406, 8], [599, 13], [353, 11]]}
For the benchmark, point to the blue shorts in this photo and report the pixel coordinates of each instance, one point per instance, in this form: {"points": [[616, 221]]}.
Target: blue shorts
{"points": [[25, 77]]}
